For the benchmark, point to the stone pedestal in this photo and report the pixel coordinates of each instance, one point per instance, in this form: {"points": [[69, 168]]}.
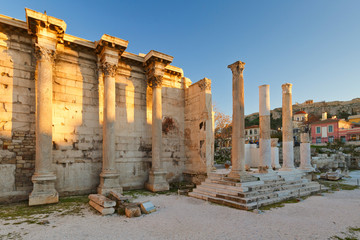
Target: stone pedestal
{"points": [[157, 182], [305, 153], [46, 31], [109, 50], [265, 141], [275, 154], [155, 64], [238, 121], [287, 129]]}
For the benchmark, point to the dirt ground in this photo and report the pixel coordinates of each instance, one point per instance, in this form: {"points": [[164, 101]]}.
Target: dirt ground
{"points": [[331, 216]]}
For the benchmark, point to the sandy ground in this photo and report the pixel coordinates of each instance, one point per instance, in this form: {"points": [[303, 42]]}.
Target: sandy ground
{"points": [[181, 217]]}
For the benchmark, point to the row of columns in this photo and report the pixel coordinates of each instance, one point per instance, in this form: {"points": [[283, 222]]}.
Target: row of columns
{"points": [[47, 32], [238, 137]]}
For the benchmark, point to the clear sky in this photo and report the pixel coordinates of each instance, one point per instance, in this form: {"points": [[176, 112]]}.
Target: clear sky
{"points": [[313, 44]]}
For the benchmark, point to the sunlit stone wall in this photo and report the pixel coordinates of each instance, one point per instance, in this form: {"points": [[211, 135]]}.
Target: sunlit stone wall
{"points": [[77, 117]]}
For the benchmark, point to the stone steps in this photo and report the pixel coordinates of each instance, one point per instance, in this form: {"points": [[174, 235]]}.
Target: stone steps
{"points": [[249, 195]]}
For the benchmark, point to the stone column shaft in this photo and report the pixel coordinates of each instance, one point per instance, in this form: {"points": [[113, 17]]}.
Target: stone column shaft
{"points": [[156, 129], [109, 177], [238, 121], [305, 152], [287, 128], [109, 125], [44, 179], [265, 140]]}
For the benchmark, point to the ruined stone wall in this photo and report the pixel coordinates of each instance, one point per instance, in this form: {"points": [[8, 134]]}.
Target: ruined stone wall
{"points": [[77, 130], [17, 111], [199, 140], [77, 118]]}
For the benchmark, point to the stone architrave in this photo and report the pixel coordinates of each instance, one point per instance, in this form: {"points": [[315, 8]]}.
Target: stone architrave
{"points": [[305, 153], [287, 128], [47, 31], [265, 139], [109, 50], [155, 63], [238, 125], [275, 154]]}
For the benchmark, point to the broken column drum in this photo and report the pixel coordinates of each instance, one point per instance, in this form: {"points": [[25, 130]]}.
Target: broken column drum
{"points": [[238, 121], [265, 141], [305, 153], [287, 128]]}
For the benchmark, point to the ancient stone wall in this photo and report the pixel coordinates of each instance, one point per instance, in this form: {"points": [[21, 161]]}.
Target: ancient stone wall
{"points": [[199, 140], [77, 117]]}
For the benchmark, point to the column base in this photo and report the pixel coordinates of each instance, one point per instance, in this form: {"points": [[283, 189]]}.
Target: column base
{"points": [[276, 166], [241, 176], [288, 169], [109, 182], [307, 169], [157, 182], [44, 191]]}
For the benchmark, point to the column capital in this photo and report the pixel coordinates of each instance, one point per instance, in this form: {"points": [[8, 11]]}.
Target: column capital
{"points": [[155, 81], [287, 88], [108, 69], [237, 67], [205, 84], [43, 53]]}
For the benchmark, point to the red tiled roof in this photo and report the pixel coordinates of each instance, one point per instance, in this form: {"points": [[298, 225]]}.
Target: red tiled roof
{"points": [[325, 121], [253, 126], [301, 112]]}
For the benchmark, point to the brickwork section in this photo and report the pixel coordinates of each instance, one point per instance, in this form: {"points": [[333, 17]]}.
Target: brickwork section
{"points": [[21, 151]]}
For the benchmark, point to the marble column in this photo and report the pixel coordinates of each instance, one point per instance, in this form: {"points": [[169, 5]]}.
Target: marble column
{"points": [[47, 32], [44, 191], [238, 121], [109, 49], [157, 176], [287, 128], [109, 177], [265, 140], [305, 153]]}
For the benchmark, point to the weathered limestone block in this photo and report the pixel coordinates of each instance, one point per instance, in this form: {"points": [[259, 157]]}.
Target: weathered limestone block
{"points": [[132, 211], [102, 200], [101, 209]]}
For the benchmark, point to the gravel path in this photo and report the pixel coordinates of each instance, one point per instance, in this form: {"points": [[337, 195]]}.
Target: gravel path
{"points": [[180, 217]]}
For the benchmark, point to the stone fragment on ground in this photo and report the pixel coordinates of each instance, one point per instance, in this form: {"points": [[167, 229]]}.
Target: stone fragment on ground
{"points": [[132, 210], [147, 207], [101, 209], [102, 200]]}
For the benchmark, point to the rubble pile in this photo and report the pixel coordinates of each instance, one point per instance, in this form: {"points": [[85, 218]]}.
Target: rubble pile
{"points": [[116, 202]]}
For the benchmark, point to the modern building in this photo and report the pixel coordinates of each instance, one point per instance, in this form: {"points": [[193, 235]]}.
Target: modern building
{"points": [[252, 133], [328, 130]]}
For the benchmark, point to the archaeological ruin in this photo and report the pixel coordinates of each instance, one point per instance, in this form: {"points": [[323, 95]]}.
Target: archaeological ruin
{"points": [[79, 117], [82, 117]]}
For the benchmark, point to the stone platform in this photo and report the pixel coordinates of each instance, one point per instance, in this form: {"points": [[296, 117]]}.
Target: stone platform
{"points": [[268, 189]]}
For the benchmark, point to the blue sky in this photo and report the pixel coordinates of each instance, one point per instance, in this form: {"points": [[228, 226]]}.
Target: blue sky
{"points": [[313, 44]]}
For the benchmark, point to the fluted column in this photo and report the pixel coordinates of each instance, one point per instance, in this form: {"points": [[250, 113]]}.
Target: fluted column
{"points": [[238, 121], [287, 128], [305, 152], [109, 176], [265, 141]]}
